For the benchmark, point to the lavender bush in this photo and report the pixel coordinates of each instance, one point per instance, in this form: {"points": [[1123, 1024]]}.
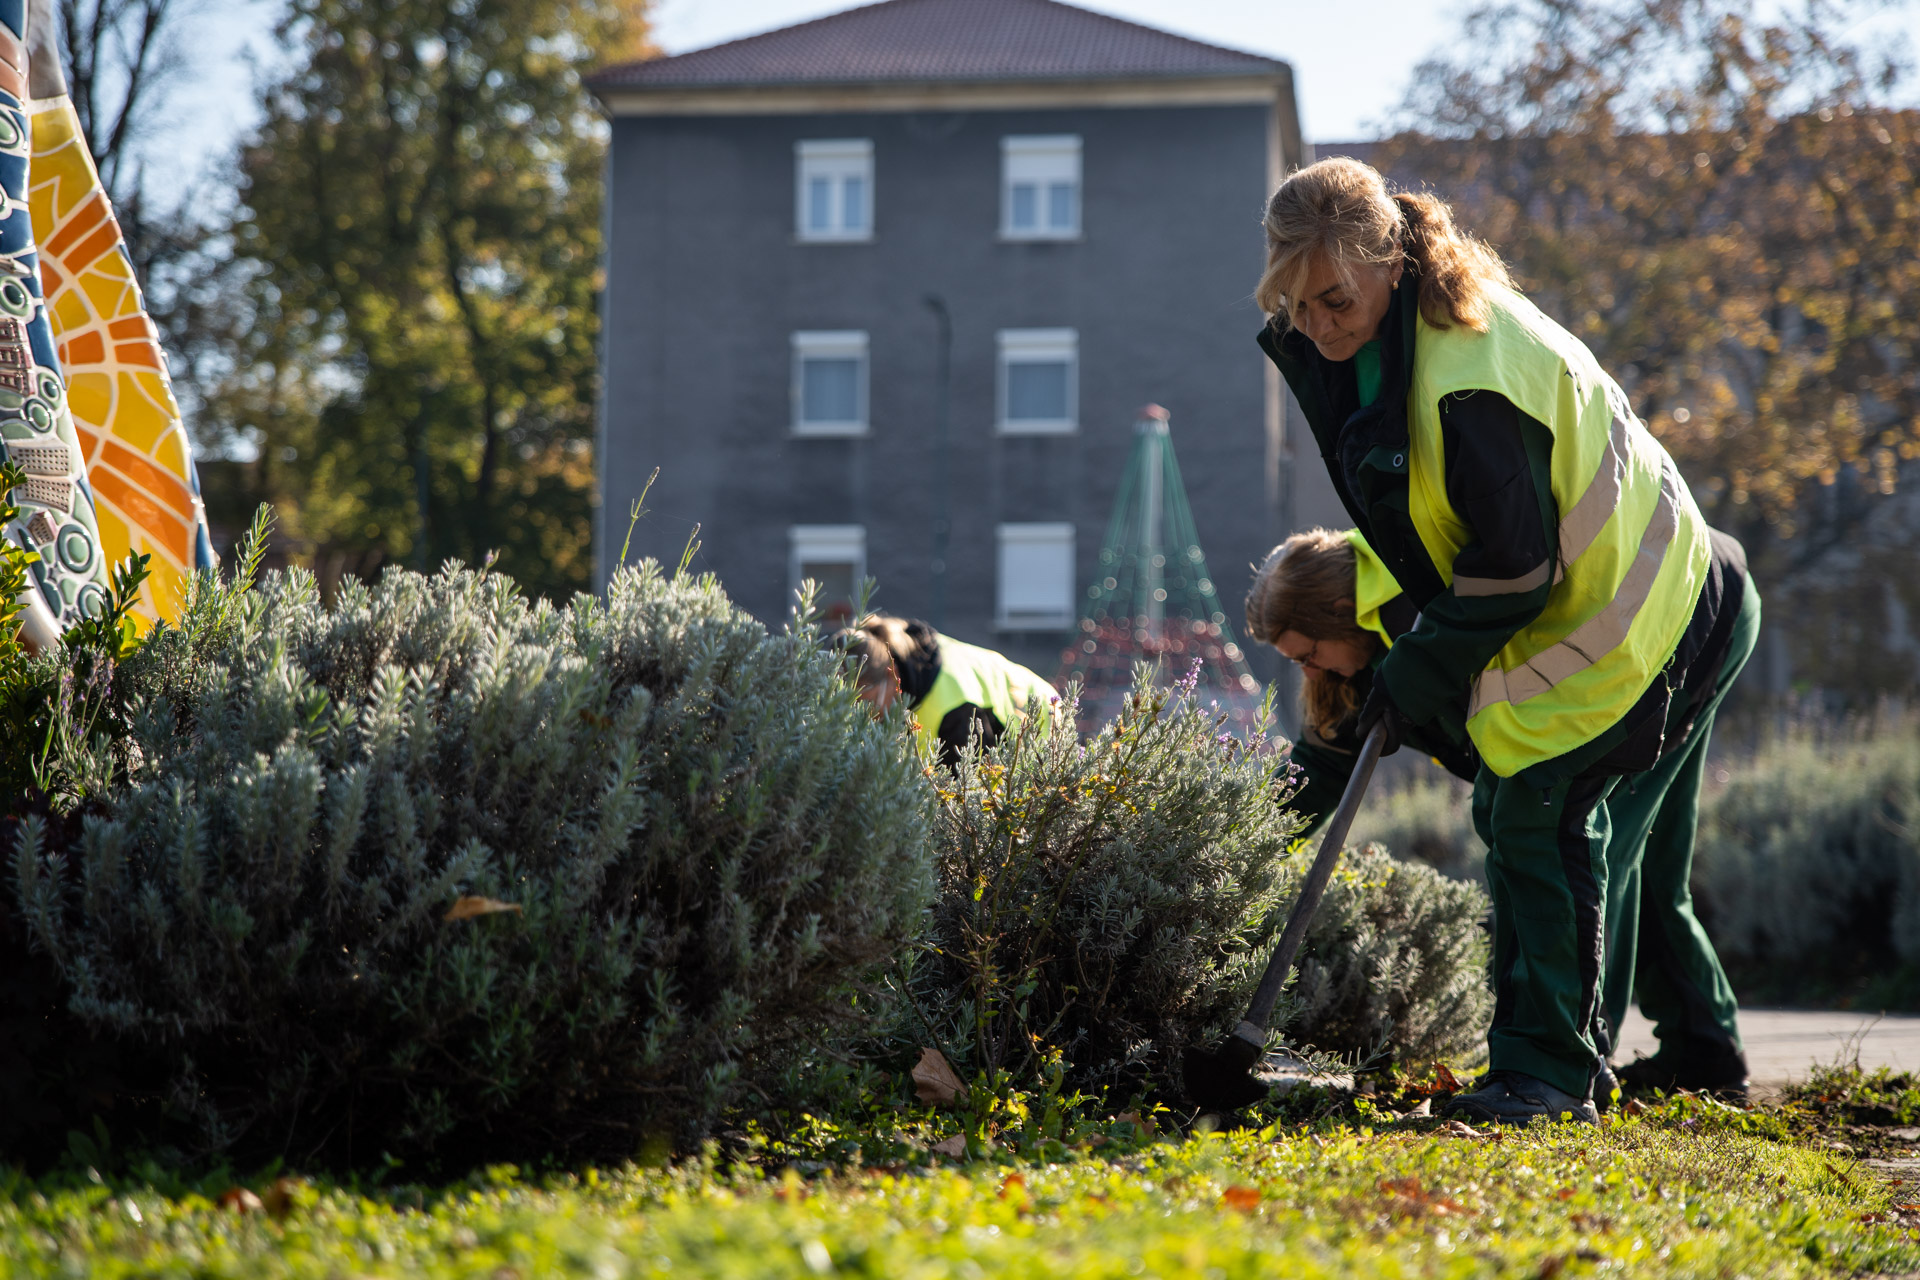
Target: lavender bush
{"points": [[1105, 904], [437, 869]]}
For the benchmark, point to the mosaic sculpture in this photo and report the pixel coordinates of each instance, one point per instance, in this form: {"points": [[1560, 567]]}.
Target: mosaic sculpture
{"points": [[109, 468]]}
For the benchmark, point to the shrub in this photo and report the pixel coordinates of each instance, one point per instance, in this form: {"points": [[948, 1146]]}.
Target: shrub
{"points": [[1396, 959], [1107, 900], [1428, 818], [676, 839], [1807, 871], [1105, 904]]}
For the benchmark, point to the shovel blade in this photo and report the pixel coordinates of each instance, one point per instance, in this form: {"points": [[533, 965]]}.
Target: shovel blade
{"points": [[1222, 1079]]}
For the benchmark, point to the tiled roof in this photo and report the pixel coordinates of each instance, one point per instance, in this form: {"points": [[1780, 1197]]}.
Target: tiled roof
{"points": [[941, 40]]}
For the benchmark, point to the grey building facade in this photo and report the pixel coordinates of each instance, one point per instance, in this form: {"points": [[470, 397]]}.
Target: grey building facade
{"points": [[886, 291]]}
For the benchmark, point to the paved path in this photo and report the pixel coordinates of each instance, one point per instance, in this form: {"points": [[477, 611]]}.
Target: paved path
{"points": [[1783, 1043]]}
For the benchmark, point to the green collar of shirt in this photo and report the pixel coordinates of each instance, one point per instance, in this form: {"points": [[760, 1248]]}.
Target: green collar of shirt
{"points": [[1366, 372]]}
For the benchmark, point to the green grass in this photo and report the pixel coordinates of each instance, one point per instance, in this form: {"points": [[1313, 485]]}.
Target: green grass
{"points": [[1682, 1189]]}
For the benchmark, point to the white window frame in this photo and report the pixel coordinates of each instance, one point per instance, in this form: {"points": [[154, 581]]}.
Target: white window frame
{"points": [[831, 543], [834, 159], [1045, 160], [1012, 537], [828, 344], [1037, 346]]}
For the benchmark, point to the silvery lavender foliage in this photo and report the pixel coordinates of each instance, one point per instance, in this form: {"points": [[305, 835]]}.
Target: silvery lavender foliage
{"points": [[1108, 900], [1396, 961], [1115, 901], [704, 838], [1807, 871]]}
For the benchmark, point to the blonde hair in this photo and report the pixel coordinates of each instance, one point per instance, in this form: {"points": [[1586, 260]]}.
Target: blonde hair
{"points": [[1306, 585], [1340, 210]]}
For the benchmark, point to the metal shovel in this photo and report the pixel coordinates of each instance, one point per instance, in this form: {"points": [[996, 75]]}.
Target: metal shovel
{"points": [[1222, 1079]]}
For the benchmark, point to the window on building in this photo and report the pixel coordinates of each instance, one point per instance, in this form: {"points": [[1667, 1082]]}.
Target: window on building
{"points": [[1036, 577], [1040, 187], [833, 190], [1039, 381], [834, 556], [830, 382]]}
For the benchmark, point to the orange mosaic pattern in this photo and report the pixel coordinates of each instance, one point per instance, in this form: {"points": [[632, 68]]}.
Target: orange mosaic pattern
{"points": [[139, 462]]}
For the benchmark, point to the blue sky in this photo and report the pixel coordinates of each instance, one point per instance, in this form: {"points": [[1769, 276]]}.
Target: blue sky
{"points": [[1341, 92], [1352, 59]]}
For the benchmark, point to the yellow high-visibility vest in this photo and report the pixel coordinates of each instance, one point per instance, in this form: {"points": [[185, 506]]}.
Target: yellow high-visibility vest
{"points": [[1373, 586], [969, 673], [1632, 553]]}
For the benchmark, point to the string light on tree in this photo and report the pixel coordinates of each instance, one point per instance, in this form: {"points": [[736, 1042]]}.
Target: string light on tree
{"points": [[1151, 598]]}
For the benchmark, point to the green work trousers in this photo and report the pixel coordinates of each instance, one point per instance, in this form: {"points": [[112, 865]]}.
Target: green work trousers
{"points": [[1656, 950], [1575, 902]]}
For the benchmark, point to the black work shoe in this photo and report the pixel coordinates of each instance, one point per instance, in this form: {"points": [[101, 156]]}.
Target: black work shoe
{"points": [[1606, 1088], [1723, 1077], [1508, 1097]]}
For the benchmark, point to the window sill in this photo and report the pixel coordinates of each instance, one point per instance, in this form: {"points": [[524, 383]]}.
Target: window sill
{"points": [[1005, 625], [849, 431], [1040, 237], [1036, 429], [867, 238]]}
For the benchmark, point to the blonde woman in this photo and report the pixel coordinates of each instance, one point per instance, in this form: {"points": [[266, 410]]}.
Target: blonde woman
{"points": [[1570, 596]]}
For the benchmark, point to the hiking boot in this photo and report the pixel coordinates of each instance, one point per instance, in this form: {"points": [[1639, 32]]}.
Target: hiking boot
{"points": [[1723, 1077], [1606, 1088], [1508, 1097]]}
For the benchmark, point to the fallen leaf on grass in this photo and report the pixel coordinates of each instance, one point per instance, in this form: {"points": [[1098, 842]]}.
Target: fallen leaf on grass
{"points": [[1443, 1081], [1460, 1129], [1245, 1199], [1406, 1198], [279, 1200], [956, 1146], [1144, 1125], [1013, 1182], [466, 908], [240, 1200], [935, 1081]]}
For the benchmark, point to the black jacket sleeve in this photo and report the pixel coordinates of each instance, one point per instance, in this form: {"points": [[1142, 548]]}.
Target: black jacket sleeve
{"points": [[957, 728], [1499, 481]]}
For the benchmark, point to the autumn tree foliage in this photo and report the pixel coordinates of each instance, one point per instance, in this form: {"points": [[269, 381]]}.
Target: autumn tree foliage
{"points": [[409, 335], [1722, 205]]}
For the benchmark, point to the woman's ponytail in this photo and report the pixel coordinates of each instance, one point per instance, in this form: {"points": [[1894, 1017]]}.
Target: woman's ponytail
{"points": [[1452, 268]]}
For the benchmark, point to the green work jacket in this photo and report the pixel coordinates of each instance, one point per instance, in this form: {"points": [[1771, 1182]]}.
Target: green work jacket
{"points": [[1549, 601]]}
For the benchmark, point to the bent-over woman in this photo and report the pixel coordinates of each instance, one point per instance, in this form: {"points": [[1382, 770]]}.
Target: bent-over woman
{"points": [[1569, 597]]}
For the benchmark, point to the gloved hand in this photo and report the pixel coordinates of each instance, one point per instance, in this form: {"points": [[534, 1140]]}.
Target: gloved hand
{"points": [[1379, 709]]}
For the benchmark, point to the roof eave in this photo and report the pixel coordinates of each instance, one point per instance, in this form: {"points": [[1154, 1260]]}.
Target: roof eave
{"points": [[767, 97]]}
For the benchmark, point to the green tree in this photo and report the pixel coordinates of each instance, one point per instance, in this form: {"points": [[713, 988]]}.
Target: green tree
{"points": [[1723, 207], [418, 248]]}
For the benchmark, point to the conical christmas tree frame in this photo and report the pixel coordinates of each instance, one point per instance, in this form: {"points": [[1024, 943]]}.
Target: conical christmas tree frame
{"points": [[1152, 599]]}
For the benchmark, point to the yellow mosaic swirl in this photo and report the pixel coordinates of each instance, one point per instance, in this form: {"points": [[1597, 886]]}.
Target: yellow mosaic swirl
{"points": [[139, 462]]}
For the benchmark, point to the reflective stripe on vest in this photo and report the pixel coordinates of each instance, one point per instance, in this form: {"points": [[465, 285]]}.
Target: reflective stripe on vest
{"points": [[1373, 586], [971, 674], [1632, 552]]}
